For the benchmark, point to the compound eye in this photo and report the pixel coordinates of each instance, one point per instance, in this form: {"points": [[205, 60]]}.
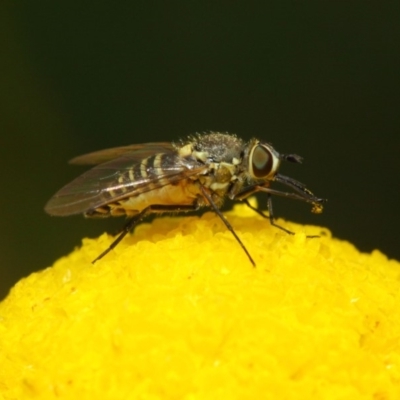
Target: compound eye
{"points": [[262, 162]]}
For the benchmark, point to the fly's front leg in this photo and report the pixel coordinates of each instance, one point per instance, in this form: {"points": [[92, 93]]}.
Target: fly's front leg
{"points": [[243, 196], [137, 218], [245, 193], [270, 212]]}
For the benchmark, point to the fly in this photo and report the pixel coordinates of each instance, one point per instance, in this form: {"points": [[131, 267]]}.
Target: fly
{"points": [[201, 171]]}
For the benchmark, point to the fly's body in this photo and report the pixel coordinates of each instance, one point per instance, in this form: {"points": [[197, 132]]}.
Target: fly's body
{"points": [[151, 178]]}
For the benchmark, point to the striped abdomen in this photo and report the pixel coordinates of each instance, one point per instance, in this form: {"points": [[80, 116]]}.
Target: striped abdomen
{"points": [[161, 179]]}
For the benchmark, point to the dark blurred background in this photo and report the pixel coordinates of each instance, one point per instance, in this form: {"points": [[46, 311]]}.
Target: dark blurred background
{"points": [[319, 79]]}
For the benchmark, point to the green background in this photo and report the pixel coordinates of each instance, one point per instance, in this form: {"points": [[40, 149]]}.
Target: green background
{"points": [[320, 79]]}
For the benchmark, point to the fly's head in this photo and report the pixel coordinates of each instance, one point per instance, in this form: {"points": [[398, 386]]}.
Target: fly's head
{"points": [[261, 163]]}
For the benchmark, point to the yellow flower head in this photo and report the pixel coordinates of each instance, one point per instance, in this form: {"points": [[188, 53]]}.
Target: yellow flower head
{"points": [[177, 311]]}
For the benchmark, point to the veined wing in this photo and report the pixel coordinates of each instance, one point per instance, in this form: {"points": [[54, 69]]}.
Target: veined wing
{"points": [[121, 178], [141, 151]]}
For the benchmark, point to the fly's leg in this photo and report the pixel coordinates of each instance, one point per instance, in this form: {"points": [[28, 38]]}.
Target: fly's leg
{"points": [[226, 222], [270, 212], [125, 230], [244, 194], [271, 216], [137, 218]]}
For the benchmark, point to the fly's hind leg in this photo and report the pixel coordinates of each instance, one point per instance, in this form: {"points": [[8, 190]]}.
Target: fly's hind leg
{"points": [[137, 218]]}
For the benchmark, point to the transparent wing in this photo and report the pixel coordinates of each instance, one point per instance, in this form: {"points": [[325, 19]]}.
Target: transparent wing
{"points": [[100, 186], [140, 151]]}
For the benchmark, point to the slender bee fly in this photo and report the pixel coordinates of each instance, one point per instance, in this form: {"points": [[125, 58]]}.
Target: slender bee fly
{"points": [[201, 171]]}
